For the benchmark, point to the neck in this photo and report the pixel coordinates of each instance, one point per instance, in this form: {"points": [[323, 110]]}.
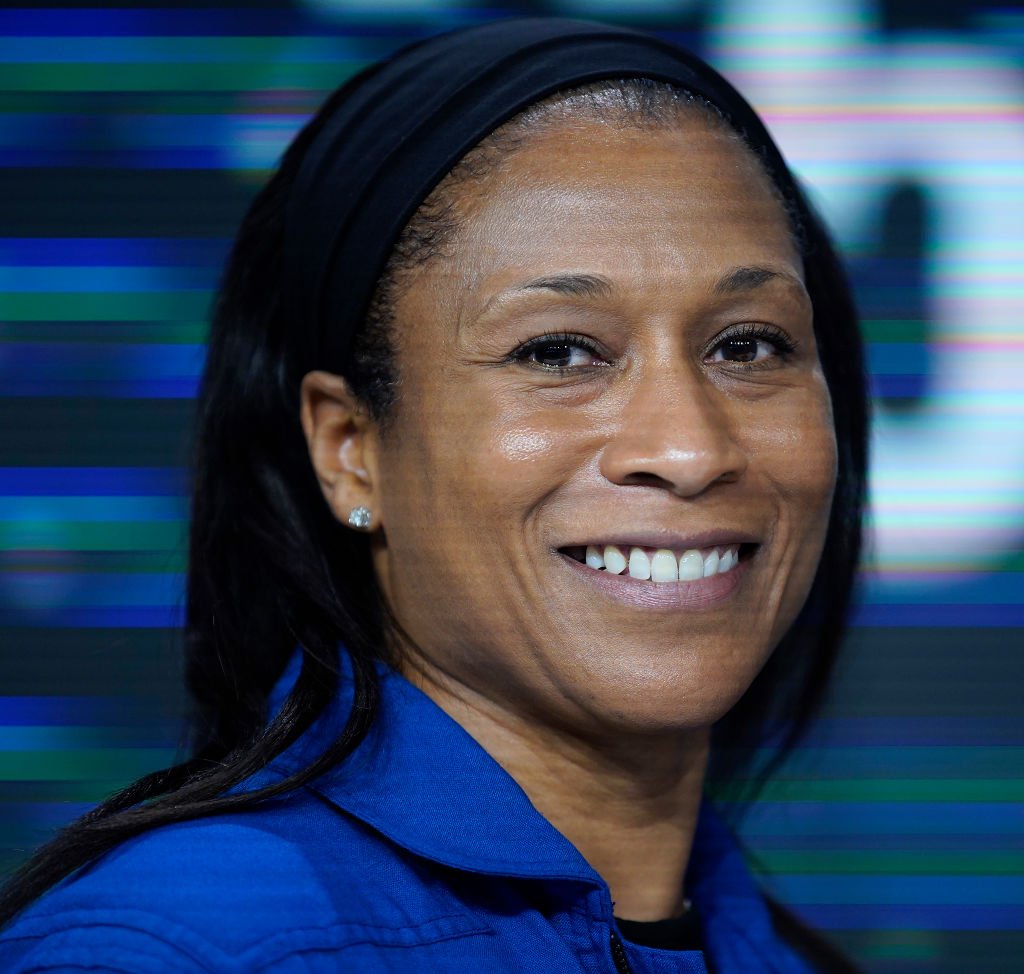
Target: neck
{"points": [[629, 805]]}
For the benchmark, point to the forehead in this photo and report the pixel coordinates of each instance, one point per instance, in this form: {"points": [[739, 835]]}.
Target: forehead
{"points": [[626, 198], [659, 212]]}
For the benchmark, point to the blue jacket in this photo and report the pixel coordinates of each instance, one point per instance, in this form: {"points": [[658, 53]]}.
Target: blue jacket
{"points": [[420, 854]]}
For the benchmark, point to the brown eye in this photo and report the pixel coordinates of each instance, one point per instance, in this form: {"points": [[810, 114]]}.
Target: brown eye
{"points": [[753, 345], [554, 356], [559, 353], [740, 349]]}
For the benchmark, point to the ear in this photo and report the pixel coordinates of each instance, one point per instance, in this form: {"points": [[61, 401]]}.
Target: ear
{"points": [[342, 441]]}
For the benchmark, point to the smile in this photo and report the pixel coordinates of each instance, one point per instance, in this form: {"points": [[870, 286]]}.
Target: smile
{"points": [[661, 565]]}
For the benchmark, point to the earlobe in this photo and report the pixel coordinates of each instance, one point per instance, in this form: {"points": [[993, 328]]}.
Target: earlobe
{"points": [[341, 438]]}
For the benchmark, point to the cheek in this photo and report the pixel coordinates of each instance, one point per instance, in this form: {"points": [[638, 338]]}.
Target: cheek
{"points": [[518, 459], [524, 443], [798, 447], [471, 483], [480, 468], [803, 471], [530, 454]]}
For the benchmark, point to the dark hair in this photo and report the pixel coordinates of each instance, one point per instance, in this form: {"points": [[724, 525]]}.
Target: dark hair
{"points": [[271, 569]]}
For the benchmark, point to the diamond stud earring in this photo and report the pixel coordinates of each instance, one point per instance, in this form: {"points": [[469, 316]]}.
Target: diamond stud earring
{"points": [[360, 517]]}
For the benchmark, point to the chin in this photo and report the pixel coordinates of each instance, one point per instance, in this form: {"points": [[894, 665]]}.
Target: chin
{"points": [[650, 700]]}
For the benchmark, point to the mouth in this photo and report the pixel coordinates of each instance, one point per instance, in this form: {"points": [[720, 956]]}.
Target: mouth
{"points": [[661, 566]]}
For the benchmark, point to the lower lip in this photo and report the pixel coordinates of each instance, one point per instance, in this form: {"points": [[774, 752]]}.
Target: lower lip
{"points": [[701, 593]]}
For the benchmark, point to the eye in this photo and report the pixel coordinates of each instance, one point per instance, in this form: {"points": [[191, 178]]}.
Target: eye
{"points": [[752, 345], [559, 353]]}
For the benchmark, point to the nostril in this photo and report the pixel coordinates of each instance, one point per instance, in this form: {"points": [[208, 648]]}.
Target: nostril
{"points": [[642, 479]]}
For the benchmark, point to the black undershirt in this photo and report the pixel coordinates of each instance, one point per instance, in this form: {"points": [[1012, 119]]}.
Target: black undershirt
{"points": [[683, 933], [676, 933]]}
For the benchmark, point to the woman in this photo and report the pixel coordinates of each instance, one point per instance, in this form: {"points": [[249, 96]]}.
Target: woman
{"points": [[534, 417]]}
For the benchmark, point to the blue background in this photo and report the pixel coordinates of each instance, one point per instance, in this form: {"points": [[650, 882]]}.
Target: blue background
{"points": [[132, 137]]}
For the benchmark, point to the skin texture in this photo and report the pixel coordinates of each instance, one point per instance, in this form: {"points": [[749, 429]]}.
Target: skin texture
{"points": [[598, 703]]}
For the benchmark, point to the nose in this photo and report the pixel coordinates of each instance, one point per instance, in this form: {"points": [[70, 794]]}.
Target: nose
{"points": [[676, 432]]}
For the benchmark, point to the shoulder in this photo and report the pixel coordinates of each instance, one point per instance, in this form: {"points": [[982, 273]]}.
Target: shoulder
{"points": [[197, 896], [187, 868]]}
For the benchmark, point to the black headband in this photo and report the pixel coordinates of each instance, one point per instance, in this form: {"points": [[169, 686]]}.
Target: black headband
{"points": [[401, 125]]}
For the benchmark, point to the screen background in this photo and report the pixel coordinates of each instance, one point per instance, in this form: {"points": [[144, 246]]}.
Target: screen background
{"points": [[132, 137]]}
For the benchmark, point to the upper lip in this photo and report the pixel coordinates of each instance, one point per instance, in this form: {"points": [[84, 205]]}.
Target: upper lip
{"points": [[715, 538]]}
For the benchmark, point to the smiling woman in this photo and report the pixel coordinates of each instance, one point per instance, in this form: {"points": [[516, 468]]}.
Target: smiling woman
{"points": [[528, 483]]}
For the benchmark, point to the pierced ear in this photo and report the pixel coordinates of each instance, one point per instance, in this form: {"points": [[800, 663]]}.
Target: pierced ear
{"points": [[342, 441]]}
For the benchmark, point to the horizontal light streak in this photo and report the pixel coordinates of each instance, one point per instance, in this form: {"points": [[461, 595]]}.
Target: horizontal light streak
{"points": [[248, 20], [93, 617], [257, 160], [125, 387], [53, 560], [908, 357], [102, 279], [852, 818], [1009, 790], [107, 332], [242, 77], [49, 535], [969, 505], [847, 107], [859, 66], [102, 589], [102, 481], [99, 361], [947, 615], [110, 369], [139, 252], [118, 507], [989, 732], [62, 737], [896, 331], [104, 306], [335, 50], [147, 141], [939, 917], [84, 764], [948, 763], [973, 510], [930, 862], [68, 710], [853, 889], [143, 22]]}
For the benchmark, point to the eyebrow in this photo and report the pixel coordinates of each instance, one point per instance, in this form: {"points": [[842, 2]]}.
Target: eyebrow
{"points": [[571, 285], [738, 280], [594, 286], [750, 278]]}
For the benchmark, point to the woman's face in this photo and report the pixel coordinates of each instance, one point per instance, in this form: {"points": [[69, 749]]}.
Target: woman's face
{"points": [[617, 355]]}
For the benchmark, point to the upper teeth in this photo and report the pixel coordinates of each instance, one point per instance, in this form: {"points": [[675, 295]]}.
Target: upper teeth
{"points": [[663, 565]]}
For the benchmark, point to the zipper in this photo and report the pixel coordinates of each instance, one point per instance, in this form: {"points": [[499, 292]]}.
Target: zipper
{"points": [[619, 955]]}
